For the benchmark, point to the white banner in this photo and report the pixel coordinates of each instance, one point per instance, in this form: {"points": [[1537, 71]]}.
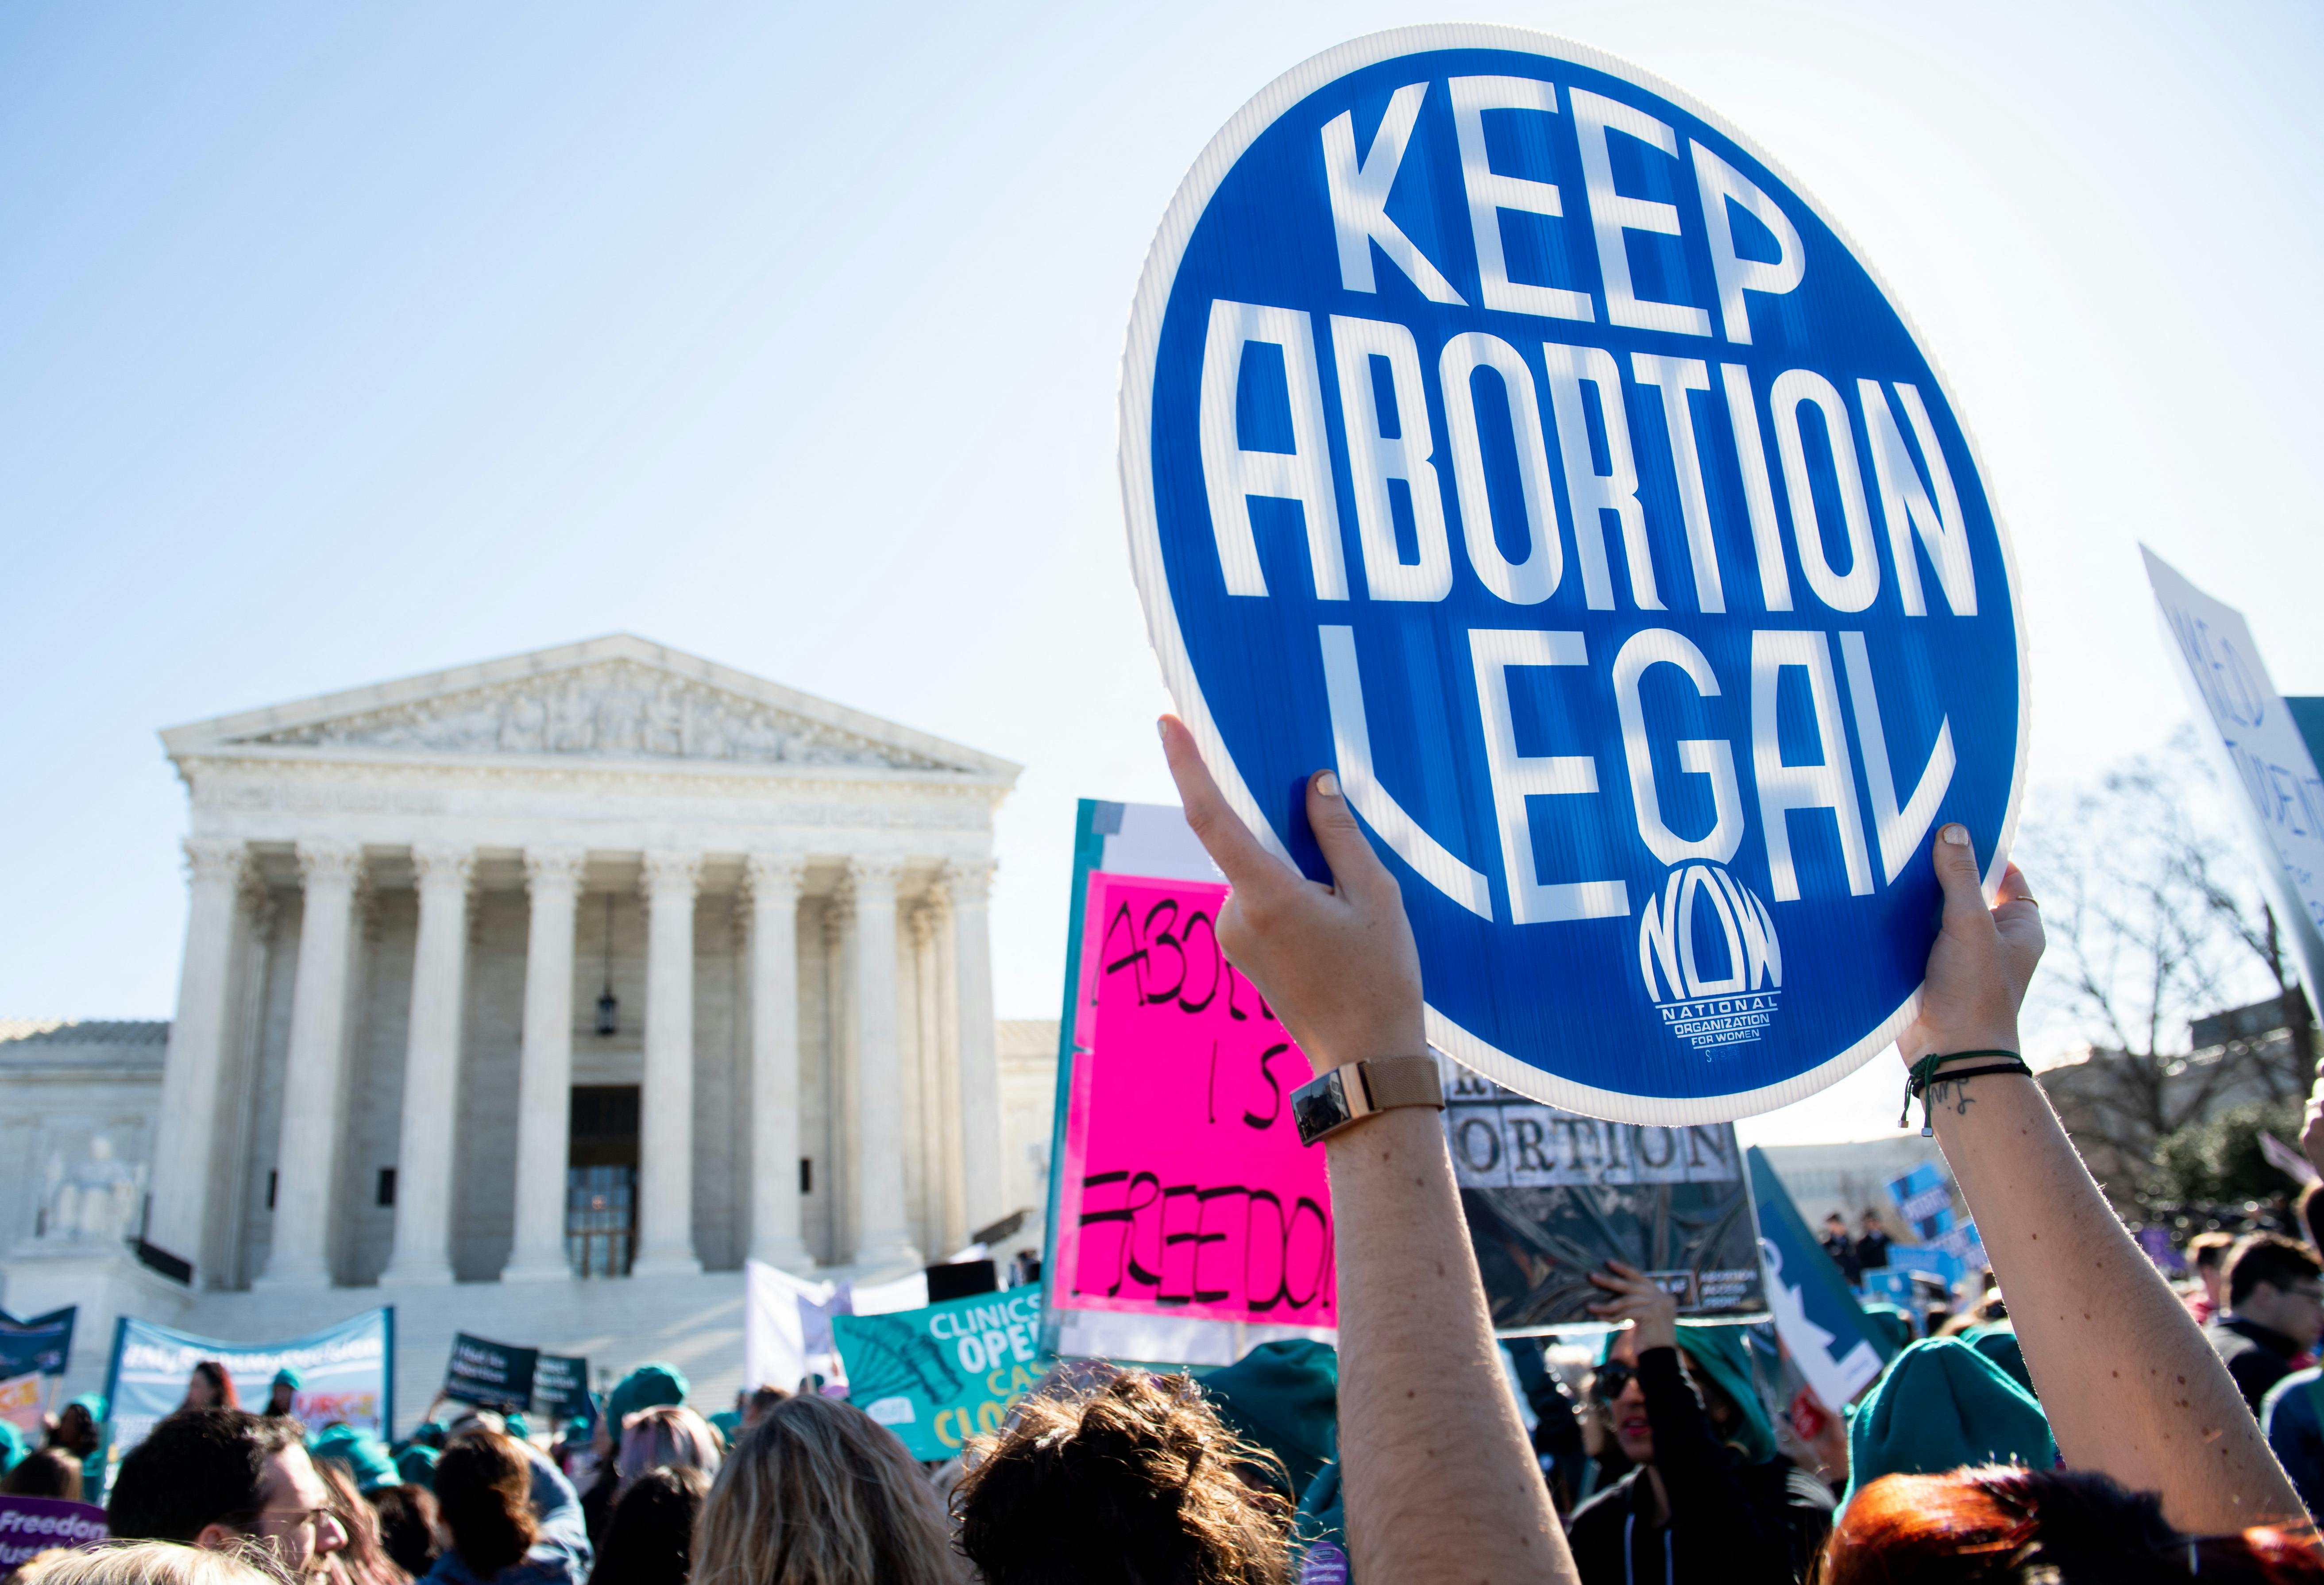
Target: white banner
{"points": [[2263, 751], [785, 1319]]}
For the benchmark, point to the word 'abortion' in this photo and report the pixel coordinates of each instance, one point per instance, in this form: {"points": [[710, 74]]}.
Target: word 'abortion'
{"points": [[1389, 439]]}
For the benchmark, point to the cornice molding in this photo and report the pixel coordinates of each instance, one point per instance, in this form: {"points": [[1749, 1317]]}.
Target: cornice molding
{"points": [[663, 701]]}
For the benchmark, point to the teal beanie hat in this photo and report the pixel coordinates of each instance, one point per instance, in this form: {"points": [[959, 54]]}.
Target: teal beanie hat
{"points": [[416, 1465], [1723, 1354], [364, 1458], [1893, 1322], [1284, 1396], [1941, 1405], [1998, 1343], [11, 1447], [648, 1386]]}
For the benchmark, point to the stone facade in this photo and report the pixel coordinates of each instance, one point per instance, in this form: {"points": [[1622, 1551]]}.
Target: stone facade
{"points": [[407, 903]]}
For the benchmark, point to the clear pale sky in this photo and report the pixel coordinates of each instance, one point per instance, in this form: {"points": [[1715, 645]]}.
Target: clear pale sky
{"points": [[341, 343]]}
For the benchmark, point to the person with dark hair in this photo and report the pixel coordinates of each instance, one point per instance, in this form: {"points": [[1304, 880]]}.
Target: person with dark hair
{"points": [[512, 1520], [2207, 1255], [283, 1391], [79, 1433], [819, 1493], [407, 1527], [2275, 1311], [651, 1541], [1872, 1245], [762, 1399], [1842, 1249], [1126, 1479], [210, 1387], [44, 1472], [1710, 1497], [2008, 1525], [222, 1479]]}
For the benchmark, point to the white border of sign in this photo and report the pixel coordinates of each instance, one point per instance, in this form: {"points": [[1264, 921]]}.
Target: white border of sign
{"points": [[1193, 198]]}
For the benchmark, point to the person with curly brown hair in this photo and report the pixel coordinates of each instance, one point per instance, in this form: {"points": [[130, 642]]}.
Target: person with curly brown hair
{"points": [[1126, 1479]]}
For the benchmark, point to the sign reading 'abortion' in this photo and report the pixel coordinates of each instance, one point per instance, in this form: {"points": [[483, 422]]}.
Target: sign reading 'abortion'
{"points": [[1183, 1186], [1500, 428]]}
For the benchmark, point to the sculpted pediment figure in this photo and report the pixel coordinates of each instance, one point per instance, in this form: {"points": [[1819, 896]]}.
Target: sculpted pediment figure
{"points": [[608, 698]]}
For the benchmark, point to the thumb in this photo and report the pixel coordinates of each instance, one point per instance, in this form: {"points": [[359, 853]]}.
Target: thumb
{"points": [[1955, 862], [1356, 869]]}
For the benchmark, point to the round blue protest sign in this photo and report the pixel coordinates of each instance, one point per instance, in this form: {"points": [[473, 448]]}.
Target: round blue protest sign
{"points": [[1502, 428]]}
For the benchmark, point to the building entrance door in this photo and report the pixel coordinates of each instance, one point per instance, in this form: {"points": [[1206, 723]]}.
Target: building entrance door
{"points": [[601, 1192]]}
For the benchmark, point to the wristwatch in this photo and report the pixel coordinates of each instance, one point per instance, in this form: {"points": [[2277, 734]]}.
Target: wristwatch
{"points": [[1347, 1095]]}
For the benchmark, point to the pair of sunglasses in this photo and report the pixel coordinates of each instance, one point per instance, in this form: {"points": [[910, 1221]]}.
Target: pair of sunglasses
{"points": [[1613, 1377]]}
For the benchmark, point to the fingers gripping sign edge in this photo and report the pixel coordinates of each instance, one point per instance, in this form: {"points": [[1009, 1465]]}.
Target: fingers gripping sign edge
{"points": [[1237, 853]]}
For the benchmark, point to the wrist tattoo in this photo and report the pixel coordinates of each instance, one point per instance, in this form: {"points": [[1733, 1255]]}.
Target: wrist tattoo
{"points": [[1952, 1092]]}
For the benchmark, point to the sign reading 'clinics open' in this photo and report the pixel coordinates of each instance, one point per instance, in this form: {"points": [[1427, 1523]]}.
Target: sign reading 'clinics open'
{"points": [[1501, 429]]}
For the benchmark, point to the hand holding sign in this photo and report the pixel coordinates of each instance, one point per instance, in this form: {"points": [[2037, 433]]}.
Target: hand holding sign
{"points": [[1651, 1310], [1336, 962], [1982, 962]]}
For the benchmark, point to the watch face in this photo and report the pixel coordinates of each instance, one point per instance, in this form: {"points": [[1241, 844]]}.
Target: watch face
{"points": [[1319, 1107]]}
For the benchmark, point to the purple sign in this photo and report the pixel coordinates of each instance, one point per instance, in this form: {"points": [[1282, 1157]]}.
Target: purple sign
{"points": [[32, 1524]]}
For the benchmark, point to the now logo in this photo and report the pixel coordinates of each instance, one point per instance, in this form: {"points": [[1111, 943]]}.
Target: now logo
{"points": [[1732, 918]]}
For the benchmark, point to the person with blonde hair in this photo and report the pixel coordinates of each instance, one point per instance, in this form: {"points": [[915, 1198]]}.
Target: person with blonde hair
{"points": [[817, 1493], [148, 1563], [670, 1436]]}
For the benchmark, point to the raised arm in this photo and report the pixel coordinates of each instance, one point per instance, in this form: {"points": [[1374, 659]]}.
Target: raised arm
{"points": [[2130, 1385], [1441, 1484]]}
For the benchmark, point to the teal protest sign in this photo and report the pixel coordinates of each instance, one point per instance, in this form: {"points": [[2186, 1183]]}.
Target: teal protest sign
{"points": [[939, 1375], [560, 1387]]}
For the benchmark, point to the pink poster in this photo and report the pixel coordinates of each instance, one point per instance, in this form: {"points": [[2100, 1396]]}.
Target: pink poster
{"points": [[1186, 1189]]}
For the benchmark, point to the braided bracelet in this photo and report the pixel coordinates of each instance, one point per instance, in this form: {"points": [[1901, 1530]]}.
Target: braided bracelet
{"points": [[1924, 1073]]}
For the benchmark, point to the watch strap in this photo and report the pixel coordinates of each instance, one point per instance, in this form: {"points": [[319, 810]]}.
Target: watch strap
{"points": [[1347, 1095], [1401, 1081]]}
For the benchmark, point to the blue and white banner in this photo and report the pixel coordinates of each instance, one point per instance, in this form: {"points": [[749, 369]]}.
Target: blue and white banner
{"points": [[1923, 1197], [346, 1373], [1503, 429]]}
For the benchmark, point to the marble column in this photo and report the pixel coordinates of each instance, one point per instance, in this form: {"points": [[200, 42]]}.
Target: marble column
{"points": [[422, 1255], [545, 1068], [939, 1073], [774, 880], [666, 1126], [883, 1240], [185, 1151], [306, 1161], [837, 1168], [970, 884]]}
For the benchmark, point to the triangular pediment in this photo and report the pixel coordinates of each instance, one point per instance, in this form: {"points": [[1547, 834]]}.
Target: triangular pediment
{"points": [[612, 699]]}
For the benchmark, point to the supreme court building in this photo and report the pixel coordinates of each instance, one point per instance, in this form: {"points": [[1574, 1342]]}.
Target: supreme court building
{"points": [[533, 997]]}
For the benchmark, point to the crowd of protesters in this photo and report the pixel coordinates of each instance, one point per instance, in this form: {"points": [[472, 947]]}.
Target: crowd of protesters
{"points": [[2093, 1427]]}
